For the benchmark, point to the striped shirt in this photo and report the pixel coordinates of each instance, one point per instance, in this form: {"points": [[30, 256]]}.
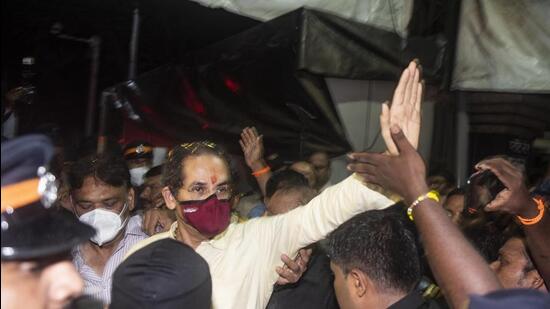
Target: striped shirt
{"points": [[99, 286]]}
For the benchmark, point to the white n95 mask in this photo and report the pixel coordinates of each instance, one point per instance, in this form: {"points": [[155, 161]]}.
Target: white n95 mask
{"points": [[137, 175], [106, 223]]}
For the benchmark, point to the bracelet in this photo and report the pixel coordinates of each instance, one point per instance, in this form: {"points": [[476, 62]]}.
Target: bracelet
{"points": [[261, 171], [432, 195], [537, 218]]}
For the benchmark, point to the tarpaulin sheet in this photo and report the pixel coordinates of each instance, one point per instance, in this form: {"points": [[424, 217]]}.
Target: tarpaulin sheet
{"points": [[211, 103], [503, 46], [390, 15], [272, 76]]}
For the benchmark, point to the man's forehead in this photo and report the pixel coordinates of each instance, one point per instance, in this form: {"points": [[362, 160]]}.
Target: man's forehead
{"points": [[153, 179], [514, 246], [289, 194], [9, 265], [205, 169], [92, 185], [319, 163], [319, 156]]}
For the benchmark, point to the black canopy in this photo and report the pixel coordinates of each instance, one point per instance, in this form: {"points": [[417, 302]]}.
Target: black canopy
{"points": [[272, 76]]}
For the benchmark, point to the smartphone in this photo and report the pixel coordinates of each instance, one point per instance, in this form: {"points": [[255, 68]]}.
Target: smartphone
{"points": [[481, 189]]}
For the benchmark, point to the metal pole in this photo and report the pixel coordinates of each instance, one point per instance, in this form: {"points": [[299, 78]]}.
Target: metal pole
{"points": [[102, 130], [95, 45], [134, 45], [462, 139]]}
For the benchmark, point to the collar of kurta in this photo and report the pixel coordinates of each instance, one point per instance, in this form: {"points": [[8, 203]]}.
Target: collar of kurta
{"points": [[215, 242]]}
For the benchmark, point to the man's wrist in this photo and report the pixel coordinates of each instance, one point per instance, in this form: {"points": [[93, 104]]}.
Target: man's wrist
{"points": [[257, 165], [528, 209], [414, 192]]}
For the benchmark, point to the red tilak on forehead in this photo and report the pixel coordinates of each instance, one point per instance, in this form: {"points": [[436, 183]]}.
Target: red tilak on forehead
{"points": [[213, 179]]}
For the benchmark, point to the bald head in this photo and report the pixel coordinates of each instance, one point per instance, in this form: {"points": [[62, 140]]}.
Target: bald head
{"points": [[306, 169]]}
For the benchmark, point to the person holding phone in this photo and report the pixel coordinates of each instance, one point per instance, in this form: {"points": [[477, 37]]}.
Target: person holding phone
{"points": [[531, 212]]}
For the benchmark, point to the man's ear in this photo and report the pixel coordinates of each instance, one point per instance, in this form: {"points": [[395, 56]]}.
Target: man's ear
{"points": [[169, 199], [358, 283], [535, 281], [131, 199], [235, 201]]}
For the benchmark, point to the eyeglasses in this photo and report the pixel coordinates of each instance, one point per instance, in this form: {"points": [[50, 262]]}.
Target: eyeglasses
{"points": [[200, 192]]}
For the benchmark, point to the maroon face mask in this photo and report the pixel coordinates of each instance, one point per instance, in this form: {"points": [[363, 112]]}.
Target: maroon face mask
{"points": [[210, 216]]}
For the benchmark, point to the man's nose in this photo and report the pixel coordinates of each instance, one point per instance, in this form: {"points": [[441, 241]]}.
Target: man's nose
{"points": [[65, 283]]}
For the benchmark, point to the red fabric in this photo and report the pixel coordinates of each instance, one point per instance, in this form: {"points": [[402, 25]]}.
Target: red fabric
{"points": [[210, 216], [132, 131]]}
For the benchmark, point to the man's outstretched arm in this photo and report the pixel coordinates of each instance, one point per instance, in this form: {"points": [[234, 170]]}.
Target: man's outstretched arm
{"points": [[310, 223], [456, 265]]}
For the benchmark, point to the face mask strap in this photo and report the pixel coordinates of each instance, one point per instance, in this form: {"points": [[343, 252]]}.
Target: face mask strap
{"points": [[185, 203], [122, 224]]}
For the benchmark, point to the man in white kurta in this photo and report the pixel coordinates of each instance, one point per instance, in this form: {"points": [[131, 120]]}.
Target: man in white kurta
{"points": [[243, 258]]}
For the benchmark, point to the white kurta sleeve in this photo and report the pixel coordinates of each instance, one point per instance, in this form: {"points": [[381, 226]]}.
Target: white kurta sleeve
{"points": [[289, 232]]}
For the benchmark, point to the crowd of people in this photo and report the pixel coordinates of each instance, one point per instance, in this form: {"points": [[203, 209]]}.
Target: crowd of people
{"points": [[110, 230]]}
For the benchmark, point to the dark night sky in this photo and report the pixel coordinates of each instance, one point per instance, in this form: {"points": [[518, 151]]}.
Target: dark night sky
{"points": [[168, 30]]}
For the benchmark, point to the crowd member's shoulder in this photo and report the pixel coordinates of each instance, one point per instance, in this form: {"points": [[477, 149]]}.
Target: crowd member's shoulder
{"points": [[147, 241], [511, 298], [416, 300], [135, 225]]}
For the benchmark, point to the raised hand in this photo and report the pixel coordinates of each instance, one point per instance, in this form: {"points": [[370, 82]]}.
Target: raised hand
{"points": [[293, 270], [458, 268], [253, 148], [403, 174], [405, 108], [514, 199], [14, 94], [157, 220]]}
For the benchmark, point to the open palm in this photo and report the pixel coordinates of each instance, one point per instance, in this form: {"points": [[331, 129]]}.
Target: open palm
{"points": [[252, 146], [405, 108]]}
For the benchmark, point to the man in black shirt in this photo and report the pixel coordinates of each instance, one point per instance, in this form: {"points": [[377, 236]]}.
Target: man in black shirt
{"points": [[376, 264]]}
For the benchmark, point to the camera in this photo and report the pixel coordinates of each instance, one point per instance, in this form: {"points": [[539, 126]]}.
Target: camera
{"points": [[481, 188]]}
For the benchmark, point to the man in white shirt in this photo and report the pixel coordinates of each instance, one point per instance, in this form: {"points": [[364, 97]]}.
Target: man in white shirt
{"points": [[102, 197], [243, 256]]}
